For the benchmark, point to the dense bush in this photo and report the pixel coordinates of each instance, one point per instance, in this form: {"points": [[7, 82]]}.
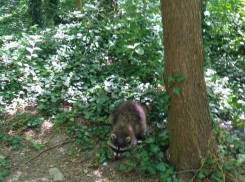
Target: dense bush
{"points": [[91, 62]]}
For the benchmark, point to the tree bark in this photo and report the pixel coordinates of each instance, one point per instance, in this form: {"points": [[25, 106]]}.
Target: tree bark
{"points": [[46, 8], [191, 134], [35, 10], [79, 5]]}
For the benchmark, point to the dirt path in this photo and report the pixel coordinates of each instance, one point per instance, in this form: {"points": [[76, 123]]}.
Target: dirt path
{"points": [[32, 165]]}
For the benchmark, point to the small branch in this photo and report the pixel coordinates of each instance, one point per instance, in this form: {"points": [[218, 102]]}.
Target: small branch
{"points": [[62, 143]]}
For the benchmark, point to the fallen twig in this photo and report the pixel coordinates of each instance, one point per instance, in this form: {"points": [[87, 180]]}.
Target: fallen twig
{"points": [[62, 143]]}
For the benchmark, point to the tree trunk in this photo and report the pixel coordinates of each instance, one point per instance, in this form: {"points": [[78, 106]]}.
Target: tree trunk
{"points": [[114, 5], [46, 8], [51, 11], [191, 133], [35, 10], [79, 5]]}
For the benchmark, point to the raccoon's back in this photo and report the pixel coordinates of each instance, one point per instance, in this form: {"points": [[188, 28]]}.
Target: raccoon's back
{"points": [[130, 113]]}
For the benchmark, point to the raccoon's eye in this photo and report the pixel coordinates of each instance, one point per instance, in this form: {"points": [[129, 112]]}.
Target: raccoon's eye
{"points": [[113, 137], [128, 139]]}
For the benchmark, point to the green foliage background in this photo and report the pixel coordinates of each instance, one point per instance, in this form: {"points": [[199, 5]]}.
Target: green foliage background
{"points": [[93, 61]]}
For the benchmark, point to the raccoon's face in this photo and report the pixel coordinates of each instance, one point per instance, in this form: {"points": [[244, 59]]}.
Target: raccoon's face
{"points": [[119, 144]]}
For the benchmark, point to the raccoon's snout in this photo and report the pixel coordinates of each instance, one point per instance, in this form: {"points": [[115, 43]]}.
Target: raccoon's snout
{"points": [[118, 155]]}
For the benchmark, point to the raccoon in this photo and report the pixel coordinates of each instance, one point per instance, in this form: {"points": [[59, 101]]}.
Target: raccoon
{"points": [[128, 125]]}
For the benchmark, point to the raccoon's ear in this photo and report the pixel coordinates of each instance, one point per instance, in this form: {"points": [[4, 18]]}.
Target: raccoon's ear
{"points": [[128, 139], [113, 137]]}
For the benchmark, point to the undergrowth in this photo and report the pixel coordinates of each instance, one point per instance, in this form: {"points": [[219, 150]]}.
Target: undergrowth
{"points": [[89, 64]]}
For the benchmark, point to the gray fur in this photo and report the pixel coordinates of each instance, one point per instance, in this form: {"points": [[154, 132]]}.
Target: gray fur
{"points": [[128, 125]]}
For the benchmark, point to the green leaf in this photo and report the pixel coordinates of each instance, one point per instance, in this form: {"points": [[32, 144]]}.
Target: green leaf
{"points": [[170, 79], [170, 170], [165, 177], [37, 48], [180, 79], [154, 148], [102, 159], [150, 140], [176, 75], [243, 108], [87, 114], [160, 155], [176, 90], [161, 166], [219, 175], [228, 165], [159, 126], [163, 134], [29, 57], [133, 26], [131, 9], [136, 44], [151, 170], [129, 46], [122, 167], [29, 49], [127, 154], [102, 98], [28, 137], [200, 175], [31, 42], [139, 51], [5, 172]]}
